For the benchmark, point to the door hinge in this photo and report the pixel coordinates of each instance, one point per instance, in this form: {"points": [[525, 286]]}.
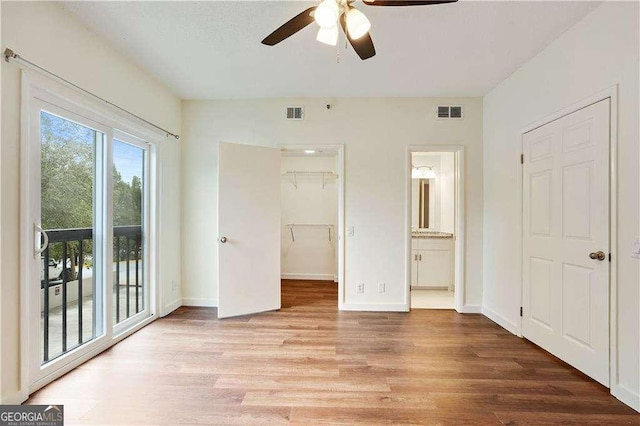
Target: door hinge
{"points": [[521, 158], [520, 310]]}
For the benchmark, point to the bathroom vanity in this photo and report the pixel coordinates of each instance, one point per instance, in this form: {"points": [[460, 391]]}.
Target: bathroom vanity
{"points": [[432, 260]]}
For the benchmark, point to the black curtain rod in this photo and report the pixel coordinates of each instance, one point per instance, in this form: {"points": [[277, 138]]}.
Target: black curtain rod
{"points": [[10, 54]]}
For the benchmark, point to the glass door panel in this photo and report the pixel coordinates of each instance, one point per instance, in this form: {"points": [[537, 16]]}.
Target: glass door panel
{"points": [[71, 302], [129, 248], [85, 221]]}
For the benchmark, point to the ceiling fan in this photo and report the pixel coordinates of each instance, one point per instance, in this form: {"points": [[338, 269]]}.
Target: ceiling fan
{"points": [[353, 22]]}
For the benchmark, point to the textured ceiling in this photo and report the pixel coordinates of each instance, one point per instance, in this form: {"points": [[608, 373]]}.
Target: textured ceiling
{"points": [[209, 50]]}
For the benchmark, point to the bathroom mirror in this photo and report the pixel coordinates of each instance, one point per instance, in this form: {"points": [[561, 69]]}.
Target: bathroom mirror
{"points": [[424, 205]]}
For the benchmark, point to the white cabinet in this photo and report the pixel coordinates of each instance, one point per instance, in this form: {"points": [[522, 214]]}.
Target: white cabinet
{"points": [[432, 262]]}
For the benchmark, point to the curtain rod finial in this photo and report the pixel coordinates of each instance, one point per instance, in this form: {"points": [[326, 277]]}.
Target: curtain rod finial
{"points": [[8, 53]]}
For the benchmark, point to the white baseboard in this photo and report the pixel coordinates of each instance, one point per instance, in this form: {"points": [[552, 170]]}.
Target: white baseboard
{"points": [[471, 309], [311, 277], [500, 320], [204, 303], [375, 307], [14, 398], [627, 396], [170, 307]]}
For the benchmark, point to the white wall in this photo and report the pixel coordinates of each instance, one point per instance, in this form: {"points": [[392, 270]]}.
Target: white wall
{"points": [[312, 255], [48, 35], [597, 53], [1, 235], [375, 133], [448, 192]]}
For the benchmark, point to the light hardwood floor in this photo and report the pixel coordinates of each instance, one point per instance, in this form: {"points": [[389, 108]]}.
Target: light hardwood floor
{"points": [[310, 364]]}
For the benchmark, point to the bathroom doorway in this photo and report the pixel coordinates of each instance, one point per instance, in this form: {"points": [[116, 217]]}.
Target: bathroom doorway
{"points": [[436, 233]]}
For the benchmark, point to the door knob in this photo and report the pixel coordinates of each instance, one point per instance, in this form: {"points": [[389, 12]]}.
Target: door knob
{"points": [[223, 240], [599, 255]]}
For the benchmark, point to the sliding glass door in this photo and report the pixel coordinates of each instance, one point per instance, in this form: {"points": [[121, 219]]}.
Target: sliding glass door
{"points": [[130, 288], [71, 199], [88, 197]]}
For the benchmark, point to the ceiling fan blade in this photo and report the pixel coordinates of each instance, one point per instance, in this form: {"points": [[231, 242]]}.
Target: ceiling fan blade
{"points": [[290, 27], [405, 2], [363, 46]]}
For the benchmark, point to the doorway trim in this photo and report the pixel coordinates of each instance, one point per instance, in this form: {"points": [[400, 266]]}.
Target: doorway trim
{"points": [[339, 149], [460, 235], [611, 93]]}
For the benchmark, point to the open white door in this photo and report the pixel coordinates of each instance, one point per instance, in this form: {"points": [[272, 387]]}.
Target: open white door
{"points": [[249, 229]]}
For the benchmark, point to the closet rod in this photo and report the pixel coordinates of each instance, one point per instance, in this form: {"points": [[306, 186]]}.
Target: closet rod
{"points": [[10, 54], [312, 226], [295, 174]]}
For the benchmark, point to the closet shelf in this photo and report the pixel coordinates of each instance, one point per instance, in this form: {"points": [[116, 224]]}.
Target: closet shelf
{"points": [[321, 174], [292, 226]]}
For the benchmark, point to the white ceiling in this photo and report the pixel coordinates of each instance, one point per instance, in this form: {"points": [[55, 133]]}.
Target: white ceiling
{"points": [[208, 50]]}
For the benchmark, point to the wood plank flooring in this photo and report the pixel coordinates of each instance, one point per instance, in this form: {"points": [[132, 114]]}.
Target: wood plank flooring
{"points": [[309, 364]]}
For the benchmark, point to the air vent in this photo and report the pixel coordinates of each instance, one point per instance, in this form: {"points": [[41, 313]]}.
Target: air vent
{"points": [[449, 111], [295, 113]]}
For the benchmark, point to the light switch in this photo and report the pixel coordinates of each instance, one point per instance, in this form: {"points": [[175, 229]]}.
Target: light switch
{"points": [[350, 231], [635, 251]]}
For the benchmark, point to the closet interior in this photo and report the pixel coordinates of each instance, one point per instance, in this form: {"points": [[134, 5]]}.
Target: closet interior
{"points": [[309, 219]]}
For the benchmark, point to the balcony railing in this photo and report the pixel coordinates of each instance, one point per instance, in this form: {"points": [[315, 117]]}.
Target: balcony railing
{"points": [[68, 286]]}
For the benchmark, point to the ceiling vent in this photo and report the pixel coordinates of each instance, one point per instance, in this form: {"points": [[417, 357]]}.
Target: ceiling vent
{"points": [[449, 111], [295, 113]]}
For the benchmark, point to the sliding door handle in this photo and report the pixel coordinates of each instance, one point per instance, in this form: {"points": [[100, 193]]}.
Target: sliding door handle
{"points": [[37, 232]]}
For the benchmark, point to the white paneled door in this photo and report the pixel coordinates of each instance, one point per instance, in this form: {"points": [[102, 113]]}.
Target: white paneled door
{"points": [[249, 180], [566, 239]]}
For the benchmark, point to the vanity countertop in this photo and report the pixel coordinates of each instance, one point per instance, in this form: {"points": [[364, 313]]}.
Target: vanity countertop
{"points": [[430, 234]]}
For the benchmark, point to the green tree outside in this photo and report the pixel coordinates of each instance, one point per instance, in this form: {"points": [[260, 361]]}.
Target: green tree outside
{"points": [[67, 186]]}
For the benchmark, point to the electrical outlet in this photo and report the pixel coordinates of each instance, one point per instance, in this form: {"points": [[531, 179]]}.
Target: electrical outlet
{"points": [[174, 285], [350, 231], [382, 287], [360, 287]]}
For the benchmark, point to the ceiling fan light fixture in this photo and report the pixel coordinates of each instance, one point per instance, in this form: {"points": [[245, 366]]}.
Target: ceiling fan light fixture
{"points": [[328, 35], [326, 14], [357, 24]]}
